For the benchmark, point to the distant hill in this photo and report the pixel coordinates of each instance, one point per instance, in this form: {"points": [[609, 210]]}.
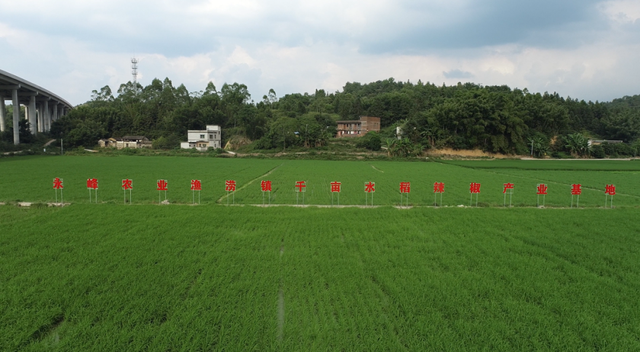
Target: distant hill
{"points": [[626, 102]]}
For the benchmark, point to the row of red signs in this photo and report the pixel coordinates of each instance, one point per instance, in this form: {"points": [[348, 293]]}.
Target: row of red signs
{"points": [[369, 187]]}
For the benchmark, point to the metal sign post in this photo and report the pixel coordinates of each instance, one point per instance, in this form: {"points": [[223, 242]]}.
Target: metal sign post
{"points": [[335, 188], [405, 188], [230, 186], [92, 185], [610, 190], [369, 188], [300, 187], [541, 190], [508, 189], [576, 190], [474, 188], [58, 184], [127, 184], [196, 185], [266, 187], [162, 186], [438, 187]]}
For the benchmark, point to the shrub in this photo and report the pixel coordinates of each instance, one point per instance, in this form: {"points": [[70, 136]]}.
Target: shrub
{"points": [[597, 152], [370, 141]]}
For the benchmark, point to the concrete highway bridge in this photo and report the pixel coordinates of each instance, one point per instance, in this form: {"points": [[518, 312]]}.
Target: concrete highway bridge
{"points": [[42, 106]]}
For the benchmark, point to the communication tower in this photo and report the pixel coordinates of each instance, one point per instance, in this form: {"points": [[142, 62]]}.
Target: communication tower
{"points": [[134, 70]]}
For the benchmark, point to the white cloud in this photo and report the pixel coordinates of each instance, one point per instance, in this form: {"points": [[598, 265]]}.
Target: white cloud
{"points": [[622, 10], [585, 49]]}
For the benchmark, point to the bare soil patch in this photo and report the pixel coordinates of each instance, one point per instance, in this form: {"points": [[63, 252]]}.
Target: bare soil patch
{"points": [[465, 153]]}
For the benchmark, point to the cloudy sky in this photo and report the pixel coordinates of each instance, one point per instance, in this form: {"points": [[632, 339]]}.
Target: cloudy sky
{"points": [[587, 49]]}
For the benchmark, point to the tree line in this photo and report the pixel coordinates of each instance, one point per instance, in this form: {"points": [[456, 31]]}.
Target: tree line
{"points": [[495, 119]]}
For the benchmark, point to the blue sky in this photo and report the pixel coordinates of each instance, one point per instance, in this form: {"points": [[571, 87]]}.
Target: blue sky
{"points": [[585, 49]]}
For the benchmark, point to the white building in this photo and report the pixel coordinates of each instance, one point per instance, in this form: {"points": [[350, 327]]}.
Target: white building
{"points": [[203, 139]]}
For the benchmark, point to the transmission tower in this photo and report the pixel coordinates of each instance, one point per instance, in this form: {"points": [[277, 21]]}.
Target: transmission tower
{"points": [[134, 70]]}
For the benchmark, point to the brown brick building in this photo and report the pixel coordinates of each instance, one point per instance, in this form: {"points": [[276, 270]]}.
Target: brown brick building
{"points": [[358, 128]]}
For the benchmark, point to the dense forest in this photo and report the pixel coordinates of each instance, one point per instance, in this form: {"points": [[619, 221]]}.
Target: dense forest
{"points": [[463, 116]]}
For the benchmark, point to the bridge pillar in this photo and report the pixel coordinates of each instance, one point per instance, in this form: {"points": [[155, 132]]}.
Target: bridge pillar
{"points": [[32, 114], [16, 116], [55, 113], [39, 118], [45, 117], [2, 113]]}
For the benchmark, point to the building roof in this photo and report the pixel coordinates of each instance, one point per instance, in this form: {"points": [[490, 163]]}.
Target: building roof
{"points": [[133, 138]]}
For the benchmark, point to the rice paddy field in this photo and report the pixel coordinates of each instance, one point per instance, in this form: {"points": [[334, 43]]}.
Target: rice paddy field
{"points": [[146, 277]]}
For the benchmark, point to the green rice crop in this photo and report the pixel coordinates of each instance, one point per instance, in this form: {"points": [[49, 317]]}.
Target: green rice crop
{"points": [[110, 277], [30, 179]]}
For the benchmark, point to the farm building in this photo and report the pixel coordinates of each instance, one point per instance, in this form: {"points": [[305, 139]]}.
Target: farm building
{"points": [[133, 142], [203, 139], [107, 143], [358, 128], [600, 141]]}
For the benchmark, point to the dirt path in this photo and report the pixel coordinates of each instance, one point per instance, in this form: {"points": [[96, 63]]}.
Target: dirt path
{"points": [[249, 183]]}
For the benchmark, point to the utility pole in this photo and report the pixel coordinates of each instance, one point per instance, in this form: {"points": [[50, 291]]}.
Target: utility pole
{"points": [[532, 147]]}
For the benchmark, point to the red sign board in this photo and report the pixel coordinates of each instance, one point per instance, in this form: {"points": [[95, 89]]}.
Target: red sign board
{"points": [[474, 188], [162, 185], [196, 185], [57, 183], [335, 186], [127, 184], [576, 189], [265, 186], [507, 186], [542, 189], [370, 187], [438, 187], [92, 183], [229, 185], [405, 187], [610, 190], [300, 186]]}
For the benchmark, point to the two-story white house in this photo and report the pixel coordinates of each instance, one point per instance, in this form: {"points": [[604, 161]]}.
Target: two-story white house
{"points": [[203, 139]]}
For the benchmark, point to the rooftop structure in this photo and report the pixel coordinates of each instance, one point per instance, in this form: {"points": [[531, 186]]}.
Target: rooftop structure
{"points": [[211, 137], [358, 128]]}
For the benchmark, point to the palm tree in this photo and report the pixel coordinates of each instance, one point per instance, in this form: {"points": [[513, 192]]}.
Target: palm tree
{"points": [[391, 146], [577, 144]]}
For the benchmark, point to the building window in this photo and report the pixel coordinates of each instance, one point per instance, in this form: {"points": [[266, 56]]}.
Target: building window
{"points": [[202, 136], [210, 136]]}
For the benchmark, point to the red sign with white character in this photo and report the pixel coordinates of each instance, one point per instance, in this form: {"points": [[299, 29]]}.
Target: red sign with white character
{"points": [[507, 186], [229, 185], [196, 185], [265, 186], [405, 187], [300, 186], [335, 186], [57, 183], [474, 188], [438, 187]]}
